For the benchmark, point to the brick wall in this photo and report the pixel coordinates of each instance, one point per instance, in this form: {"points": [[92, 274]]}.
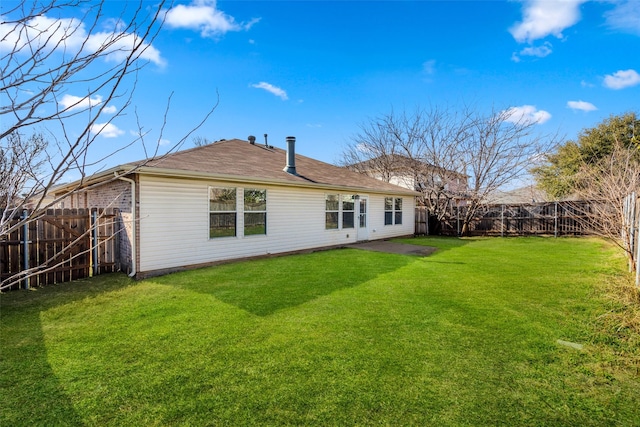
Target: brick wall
{"points": [[114, 194]]}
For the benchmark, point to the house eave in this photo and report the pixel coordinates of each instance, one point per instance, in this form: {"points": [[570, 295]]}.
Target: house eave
{"points": [[185, 174]]}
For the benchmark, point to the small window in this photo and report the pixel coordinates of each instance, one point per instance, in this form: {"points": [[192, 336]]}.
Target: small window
{"points": [[392, 210], [332, 207], [348, 211], [398, 211], [255, 211], [222, 212], [388, 211]]}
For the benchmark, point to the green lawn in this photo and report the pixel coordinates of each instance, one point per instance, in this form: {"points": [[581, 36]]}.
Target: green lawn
{"points": [[466, 336]]}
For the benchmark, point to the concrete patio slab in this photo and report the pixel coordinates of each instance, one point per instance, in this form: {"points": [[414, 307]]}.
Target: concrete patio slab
{"points": [[394, 248]]}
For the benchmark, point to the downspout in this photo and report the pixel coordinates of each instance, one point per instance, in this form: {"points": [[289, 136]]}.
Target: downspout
{"points": [[134, 228]]}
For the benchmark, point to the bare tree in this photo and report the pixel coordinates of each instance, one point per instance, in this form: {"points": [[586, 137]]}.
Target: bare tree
{"points": [[416, 150], [60, 81], [607, 182], [21, 163], [45, 58], [451, 157], [497, 148], [200, 141]]}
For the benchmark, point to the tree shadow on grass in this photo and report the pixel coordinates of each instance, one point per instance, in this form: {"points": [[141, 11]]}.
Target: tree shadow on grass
{"points": [[263, 287], [32, 394], [442, 243]]}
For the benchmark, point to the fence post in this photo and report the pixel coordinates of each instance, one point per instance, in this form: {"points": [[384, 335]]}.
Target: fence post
{"points": [[555, 219], [636, 203], [502, 221], [94, 241], [25, 247], [638, 245], [632, 226]]}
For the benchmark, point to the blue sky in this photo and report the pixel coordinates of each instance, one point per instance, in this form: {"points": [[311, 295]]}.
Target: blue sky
{"points": [[319, 69]]}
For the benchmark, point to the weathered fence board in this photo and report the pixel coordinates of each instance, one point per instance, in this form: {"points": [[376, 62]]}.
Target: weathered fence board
{"points": [[553, 218], [59, 246], [631, 232]]}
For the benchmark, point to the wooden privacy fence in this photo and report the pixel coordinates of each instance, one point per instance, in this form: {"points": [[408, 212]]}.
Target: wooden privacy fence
{"points": [[551, 218], [59, 246], [631, 232]]}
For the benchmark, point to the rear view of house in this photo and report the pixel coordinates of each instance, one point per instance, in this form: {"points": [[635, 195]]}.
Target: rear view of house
{"points": [[236, 199]]}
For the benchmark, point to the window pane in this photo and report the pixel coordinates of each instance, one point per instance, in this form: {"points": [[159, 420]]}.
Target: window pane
{"points": [[363, 221], [222, 199], [348, 203], [398, 204], [388, 218], [388, 203], [255, 200], [255, 223], [331, 221], [347, 219], [332, 202], [398, 217], [222, 224]]}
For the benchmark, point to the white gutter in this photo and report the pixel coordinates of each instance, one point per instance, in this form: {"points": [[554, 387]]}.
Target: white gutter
{"points": [[178, 173], [134, 228]]}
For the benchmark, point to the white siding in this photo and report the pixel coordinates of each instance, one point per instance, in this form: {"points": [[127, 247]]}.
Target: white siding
{"points": [[376, 217], [174, 224]]}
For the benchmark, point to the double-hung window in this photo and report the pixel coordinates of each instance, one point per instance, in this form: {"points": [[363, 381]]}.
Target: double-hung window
{"points": [[348, 211], [332, 211], [222, 212], [255, 211], [392, 210]]}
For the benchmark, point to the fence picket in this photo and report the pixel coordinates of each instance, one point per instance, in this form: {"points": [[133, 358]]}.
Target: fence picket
{"points": [[553, 218], [58, 248]]}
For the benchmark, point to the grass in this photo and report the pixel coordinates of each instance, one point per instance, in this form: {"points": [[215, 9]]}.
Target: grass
{"points": [[466, 336]]}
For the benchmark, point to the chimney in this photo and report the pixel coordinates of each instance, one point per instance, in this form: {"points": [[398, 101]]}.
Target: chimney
{"points": [[291, 156], [252, 139]]}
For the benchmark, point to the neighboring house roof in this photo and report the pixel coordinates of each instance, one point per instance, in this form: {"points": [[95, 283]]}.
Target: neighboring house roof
{"points": [[401, 163], [528, 194], [237, 160]]}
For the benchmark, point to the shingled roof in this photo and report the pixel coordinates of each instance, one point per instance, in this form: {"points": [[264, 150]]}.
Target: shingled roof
{"points": [[239, 160]]}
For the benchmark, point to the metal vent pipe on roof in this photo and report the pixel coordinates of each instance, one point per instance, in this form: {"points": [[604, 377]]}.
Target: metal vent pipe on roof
{"points": [[291, 156], [252, 139]]}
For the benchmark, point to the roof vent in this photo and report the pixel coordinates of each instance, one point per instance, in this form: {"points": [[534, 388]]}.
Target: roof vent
{"points": [[266, 144], [291, 156], [252, 139]]}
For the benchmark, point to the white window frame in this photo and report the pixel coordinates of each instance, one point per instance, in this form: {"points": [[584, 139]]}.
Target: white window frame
{"points": [[223, 212], [246, 212], [393, 211]]}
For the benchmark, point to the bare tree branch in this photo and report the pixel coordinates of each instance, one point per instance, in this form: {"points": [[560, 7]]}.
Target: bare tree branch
{"points": [[61, 79]]}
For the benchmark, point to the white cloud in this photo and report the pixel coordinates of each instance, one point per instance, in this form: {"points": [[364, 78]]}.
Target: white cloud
{"points": [[537, 51], [272, 89], [581, 105], [106, 130], [164, 141], [625, 16], [542, 18], [203, 16], [622, 79], [584, 83], [429, 67], [72, 102], [69, 35], [526, 114]]}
